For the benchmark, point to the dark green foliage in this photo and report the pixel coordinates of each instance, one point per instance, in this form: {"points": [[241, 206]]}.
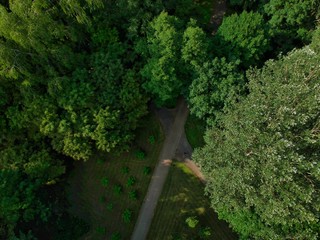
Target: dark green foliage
{"points": [[140, 154], [117, 189], [125, 170], [133, 194], [110, 206], [205, 233], [105, 181], [101, 230], [131, 181], [261, 164], [115, 236], [243, 37], [292, 20], [152, 139], [127, 215], [214, 88], [146, 170]]}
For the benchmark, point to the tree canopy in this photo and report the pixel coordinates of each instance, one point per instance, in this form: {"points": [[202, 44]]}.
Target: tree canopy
{"points": [[262, 162]]}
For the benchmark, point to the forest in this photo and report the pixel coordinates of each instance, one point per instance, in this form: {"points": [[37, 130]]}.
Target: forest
{"points": [[78, 77]]}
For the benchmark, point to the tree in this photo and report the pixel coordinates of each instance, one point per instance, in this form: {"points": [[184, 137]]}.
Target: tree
{"points": [[244, 37], [217, 83], [262, 162], [292, 20], [161, 70]]}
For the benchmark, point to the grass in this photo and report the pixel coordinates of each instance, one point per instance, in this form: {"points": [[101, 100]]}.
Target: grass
{"points": [[195, 129], [183, 197], [101, 189]]}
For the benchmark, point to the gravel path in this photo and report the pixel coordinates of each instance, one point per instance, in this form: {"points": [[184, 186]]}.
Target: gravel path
{"points": [[173, 136]]}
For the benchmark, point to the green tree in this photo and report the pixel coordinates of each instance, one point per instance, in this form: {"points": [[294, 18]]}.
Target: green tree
{"points": [[292, 20], [160, 72], [262, 163], [244, 37], [214, 88]]}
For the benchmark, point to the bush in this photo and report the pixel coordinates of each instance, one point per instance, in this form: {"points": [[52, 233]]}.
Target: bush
{"points": [[101, 230], [104, 181], [192, 221], [140, 154], [102, 199], [133, 195], [205, 233], [117, 189], [115, 236], [152, 139], [131, 180], [127, 215], [146, 170], [110, 206], [125, 170]]}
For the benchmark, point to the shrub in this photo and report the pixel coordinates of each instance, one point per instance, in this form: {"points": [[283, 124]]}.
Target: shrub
{"points": [[104, 181], [117, 189], [133, 195], [115, 236], [125, 170], [192, 221], [110, 206], [140, 154], [152, 139], [102, 199], [101, 230], [100, 161], [205, 233], [131, 180], [127, 215], [146, 170]]}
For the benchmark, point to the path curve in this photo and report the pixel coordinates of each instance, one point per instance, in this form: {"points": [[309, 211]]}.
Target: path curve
{"points": [[170, 145]]}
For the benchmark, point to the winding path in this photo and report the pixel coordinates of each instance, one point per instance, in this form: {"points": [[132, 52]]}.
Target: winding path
{"points": [[170, 145]]}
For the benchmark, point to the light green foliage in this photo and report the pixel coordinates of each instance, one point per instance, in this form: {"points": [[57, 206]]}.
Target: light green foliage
{"points": [[214, 88], [262, 163], [192, 222], [244, 37], [205, 233], [195, 45], [161, 69]]}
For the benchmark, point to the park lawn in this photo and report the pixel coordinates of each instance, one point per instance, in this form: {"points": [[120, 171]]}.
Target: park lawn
{"points": [[90, 200], [183, 197], [195, 129]]}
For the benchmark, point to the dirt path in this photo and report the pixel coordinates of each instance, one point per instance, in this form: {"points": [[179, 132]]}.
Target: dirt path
{"points": [[219, 9], [173, 135]]}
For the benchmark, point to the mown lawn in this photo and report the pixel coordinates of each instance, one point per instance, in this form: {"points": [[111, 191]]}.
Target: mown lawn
{"points": [[94, 185], [195, 129], [183, 197]]}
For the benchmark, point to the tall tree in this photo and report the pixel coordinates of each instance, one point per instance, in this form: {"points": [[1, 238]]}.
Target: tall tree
{"points": [[243, 37], [262, 163]]}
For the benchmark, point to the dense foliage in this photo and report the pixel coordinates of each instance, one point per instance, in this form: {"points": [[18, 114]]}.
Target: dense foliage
{"points": [[77, 76], [262, 163]]}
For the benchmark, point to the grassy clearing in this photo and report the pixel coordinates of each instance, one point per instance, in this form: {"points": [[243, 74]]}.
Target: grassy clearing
{"points": [[108, 190], [195, 129], [181, 198]]}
